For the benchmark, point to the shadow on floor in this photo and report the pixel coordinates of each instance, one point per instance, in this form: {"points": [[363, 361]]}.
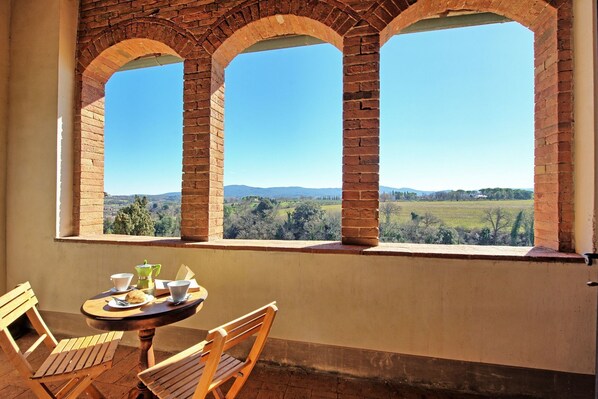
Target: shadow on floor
{"points": [[266, 382]]}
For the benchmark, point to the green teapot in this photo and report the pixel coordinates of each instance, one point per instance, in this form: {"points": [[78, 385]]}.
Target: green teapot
{"points": [[146, 274]]}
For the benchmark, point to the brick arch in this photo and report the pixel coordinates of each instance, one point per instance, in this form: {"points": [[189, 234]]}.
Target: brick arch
{"points": [[553, 128], [98, 60], [203, 146], [257, 20], [269, 27], [391, 18], [128, 40]]}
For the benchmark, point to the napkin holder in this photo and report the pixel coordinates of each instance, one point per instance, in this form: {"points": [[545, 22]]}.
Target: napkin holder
{"points": [[184, 273]]}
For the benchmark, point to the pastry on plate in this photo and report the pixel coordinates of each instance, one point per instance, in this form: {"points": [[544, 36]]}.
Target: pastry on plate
{"points": [[135, 296]]}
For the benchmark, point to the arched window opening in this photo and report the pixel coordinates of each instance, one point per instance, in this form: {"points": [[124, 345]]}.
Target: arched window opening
{"points": [[457, 136], [143, 151], [283, 144]]}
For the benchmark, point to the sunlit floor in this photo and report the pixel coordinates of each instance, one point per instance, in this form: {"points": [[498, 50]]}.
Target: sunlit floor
{"points": [[266, 381]]}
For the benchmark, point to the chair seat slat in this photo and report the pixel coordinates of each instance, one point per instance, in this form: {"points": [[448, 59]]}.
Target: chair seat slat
{"points": [[178, 375], [69, 344], [173, 382], [156, 372], [104, 349], [87, 352], [78, 353], [54, 357], [94, 353], [188, 388], [69, 355], [114, 341], [227, 367], [176, 372]]}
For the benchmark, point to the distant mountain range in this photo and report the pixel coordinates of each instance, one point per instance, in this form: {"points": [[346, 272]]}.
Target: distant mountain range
{"points": [[239, 191]]}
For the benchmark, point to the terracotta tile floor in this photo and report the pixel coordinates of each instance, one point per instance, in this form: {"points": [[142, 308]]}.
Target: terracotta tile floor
{"points": [[266, 381]]}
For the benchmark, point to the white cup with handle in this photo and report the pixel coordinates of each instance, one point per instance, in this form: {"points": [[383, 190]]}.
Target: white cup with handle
{"points": [[121, 281], [178, 289]]}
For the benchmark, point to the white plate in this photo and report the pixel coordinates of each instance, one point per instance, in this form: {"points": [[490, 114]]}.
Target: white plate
{"points": [[113, 304], [113, 290], [169, 299]]}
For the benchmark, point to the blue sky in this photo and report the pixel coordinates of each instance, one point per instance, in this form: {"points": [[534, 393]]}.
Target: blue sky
{"points": [[456, 112]]}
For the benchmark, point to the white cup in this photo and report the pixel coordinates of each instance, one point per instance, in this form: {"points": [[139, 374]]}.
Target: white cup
{"points": [[121, 281], [178, 289]]}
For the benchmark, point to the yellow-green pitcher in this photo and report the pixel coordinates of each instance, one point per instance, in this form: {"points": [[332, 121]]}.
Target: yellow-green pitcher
{"points": [[146, 274]]}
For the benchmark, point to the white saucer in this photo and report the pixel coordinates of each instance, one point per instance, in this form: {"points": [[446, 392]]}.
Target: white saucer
{"points": [[114, 291], [113, 304], [169, 299]]}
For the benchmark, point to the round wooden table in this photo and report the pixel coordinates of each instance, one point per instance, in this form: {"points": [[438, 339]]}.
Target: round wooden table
{"points": [[144, 319]]}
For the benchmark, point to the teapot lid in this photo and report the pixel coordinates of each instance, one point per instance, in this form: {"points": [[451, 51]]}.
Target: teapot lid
{"points": [[145, 264]]}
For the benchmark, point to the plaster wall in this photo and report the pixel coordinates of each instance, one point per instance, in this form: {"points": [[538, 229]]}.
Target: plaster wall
{"points": [[4, 73], [586, 123], [528, 314], [537, 315], [33, 99], [68, 10]]}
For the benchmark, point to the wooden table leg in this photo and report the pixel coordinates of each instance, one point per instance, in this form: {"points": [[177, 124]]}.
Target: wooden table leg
{"points": [[146, 359]]}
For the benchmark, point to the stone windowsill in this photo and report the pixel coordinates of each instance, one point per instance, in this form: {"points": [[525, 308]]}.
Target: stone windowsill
{"points": [[524, 254]]}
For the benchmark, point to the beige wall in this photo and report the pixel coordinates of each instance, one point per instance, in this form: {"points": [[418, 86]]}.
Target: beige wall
{"points": [[586, 122], [538, 315], [66, 93], [33, 90], [4, 70]]}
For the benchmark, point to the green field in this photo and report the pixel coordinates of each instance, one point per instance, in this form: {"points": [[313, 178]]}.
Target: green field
{"points": [[466, 214]]}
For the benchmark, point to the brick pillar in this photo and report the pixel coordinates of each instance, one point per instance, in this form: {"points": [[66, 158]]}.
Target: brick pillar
{"points": [[553, 205], [361, 136], [88, 179], [203, 150]]}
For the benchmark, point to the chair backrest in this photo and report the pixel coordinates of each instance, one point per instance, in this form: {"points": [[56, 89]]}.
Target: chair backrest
{"points": [[14, 304], [222, 338]]}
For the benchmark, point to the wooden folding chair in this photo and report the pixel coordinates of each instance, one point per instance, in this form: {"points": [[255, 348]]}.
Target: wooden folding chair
{"points": [[203, 367], [78, 360]]}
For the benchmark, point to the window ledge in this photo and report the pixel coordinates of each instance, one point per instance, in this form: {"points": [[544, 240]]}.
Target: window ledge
{"points": [[524, 254]]}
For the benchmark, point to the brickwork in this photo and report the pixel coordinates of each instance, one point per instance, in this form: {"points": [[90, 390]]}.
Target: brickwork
{"points": [[361, 135], [209, 34], [97, 60], [553, 70]]}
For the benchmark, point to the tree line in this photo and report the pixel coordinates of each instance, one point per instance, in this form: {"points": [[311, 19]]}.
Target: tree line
{"points": [[260, 218], [497, 194]]}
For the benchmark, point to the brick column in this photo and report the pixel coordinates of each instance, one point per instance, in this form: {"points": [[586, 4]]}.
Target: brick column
{"points": [[203, 150], [361, 136], [88, 179], [553, 205]]}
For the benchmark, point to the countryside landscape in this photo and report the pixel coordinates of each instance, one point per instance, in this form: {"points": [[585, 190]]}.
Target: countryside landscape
{"points": [[491, 216]]}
